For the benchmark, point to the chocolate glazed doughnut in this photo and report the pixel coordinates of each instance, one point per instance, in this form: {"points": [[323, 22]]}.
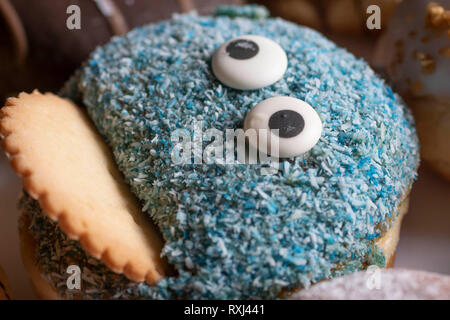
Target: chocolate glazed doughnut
{"points": [[34, 35]]}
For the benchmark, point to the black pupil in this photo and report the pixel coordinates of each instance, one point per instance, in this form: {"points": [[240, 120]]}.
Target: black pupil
{"points": [[242, 49], [288, 122]]}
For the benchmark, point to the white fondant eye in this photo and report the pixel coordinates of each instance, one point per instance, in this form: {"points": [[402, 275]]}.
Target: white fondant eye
{"points": [[249, 62], [299, 126]]}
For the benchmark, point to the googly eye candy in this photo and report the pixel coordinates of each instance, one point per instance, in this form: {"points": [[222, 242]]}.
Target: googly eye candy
{"points": [[295, 124], [249, 62]]}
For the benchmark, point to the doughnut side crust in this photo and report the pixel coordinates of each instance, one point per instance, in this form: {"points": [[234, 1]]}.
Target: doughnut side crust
{"points": [[42, 288]]}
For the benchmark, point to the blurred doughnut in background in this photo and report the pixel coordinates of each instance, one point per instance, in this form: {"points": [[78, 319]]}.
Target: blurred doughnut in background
{"points": [[37, 50], [5, 291], [414, 54]]}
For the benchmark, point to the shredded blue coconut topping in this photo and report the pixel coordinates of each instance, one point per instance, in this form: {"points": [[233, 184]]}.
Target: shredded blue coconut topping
{"points": [[229, 231]]}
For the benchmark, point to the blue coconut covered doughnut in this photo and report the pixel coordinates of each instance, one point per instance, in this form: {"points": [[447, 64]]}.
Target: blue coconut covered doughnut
{"points": [[229, 231]]}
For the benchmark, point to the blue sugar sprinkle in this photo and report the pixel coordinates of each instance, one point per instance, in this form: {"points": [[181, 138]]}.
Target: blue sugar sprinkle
{"points": [[229, 231]]}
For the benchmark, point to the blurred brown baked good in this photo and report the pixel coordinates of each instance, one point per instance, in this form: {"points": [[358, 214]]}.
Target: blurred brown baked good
{"points": [[386, 284], [5, 291], [38, 50]]}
